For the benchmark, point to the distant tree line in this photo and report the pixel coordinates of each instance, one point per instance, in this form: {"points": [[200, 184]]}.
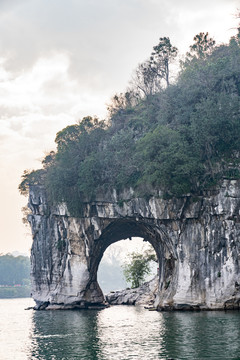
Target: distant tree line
{"points": [[14, 276], [14, 270], [180, 136]]}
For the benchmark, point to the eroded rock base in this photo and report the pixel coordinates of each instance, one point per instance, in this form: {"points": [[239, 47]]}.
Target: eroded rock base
{"points": [[78, 306], [144, 295]]}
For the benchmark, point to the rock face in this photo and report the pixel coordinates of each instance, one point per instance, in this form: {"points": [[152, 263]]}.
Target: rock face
{"points": [[197, 242], [144, 295]]}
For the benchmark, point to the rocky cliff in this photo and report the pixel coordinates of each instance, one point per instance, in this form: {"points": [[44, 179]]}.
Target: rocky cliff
{"points": [[197, 242]]}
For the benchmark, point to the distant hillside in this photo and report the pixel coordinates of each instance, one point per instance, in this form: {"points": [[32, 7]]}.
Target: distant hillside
{"points": [[14, 276]]}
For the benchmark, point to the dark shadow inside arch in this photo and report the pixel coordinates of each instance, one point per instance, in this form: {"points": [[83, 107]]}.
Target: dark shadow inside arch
{"points": [[126, 228]]}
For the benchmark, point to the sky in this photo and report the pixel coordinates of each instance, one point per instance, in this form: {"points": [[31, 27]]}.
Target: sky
{"points": [[61, 60]]}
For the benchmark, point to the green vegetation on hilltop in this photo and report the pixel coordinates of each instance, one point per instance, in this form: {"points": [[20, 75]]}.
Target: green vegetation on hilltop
{"points": [[181, 138]]}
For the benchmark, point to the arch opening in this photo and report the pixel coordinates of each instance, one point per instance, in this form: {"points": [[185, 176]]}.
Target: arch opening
{"points": [[126, 228], [110, 274]]}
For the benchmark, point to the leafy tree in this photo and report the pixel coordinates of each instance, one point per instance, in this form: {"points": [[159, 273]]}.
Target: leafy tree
{"points": [[76, 145], [122, 101], [163, 54], [49, 159], [203, 45], [149, 75], [138, 267], [121, 106], [168, 161], [33, 177]]}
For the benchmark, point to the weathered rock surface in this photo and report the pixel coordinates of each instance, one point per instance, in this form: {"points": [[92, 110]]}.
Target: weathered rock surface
{"points": [[197, 242], [143, 295]]}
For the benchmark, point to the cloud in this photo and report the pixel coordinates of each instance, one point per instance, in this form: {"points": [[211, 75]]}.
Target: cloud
{"points": [[35, 105], [104, 39], [46, 88]]}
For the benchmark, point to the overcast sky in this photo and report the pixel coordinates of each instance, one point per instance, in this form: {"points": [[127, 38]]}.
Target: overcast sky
{"points": [[61, 60]]}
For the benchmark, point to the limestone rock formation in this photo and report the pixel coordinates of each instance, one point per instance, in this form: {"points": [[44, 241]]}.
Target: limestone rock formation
{"points": [[197, 242], [143, 295]]}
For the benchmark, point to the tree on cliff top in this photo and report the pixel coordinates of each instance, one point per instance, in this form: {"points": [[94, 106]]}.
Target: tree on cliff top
{"points": [[183, 139], [163, 54], [148, 76]]}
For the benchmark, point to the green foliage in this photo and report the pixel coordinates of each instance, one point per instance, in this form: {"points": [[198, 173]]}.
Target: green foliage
{"points": [[182, 139], [164, 52], [138, 266], [34, 177], [76, 155], [148, 76], [167, 161], [136, 270], [119, 102], [202, 46]]}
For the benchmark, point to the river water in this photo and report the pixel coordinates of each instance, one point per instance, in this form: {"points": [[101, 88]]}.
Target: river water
{"points": [[118, 332]]}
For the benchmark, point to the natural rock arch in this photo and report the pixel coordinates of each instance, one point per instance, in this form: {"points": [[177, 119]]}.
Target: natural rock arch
{"points": [[197, 241], [124, 228]]}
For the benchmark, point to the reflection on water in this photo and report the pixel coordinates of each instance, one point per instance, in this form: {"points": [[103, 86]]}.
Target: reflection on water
{"points": [[115, 333], [120, 332], [15, 324], [130, 332], [203, 335], [65, 335]]}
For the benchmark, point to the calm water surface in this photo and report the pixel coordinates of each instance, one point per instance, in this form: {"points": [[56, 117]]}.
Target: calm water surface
{"points": [[120, 332]]}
